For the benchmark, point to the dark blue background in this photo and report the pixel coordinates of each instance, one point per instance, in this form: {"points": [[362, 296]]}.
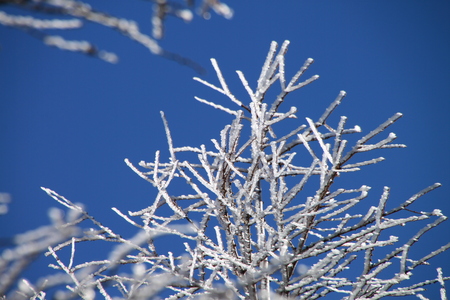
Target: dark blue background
{"points": [[68, 121]]}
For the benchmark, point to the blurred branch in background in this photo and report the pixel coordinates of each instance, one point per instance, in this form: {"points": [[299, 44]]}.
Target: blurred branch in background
{"points": [[42, 16]]}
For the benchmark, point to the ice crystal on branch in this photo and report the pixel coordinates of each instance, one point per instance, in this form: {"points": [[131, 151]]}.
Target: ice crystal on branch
{"points": [[247, 224]]}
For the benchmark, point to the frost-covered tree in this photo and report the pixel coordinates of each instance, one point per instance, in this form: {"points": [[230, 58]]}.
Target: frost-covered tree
{"points": [[257, 214]]}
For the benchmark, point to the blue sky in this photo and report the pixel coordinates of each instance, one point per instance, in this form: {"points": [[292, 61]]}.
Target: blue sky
{"points": [[67, 121]]}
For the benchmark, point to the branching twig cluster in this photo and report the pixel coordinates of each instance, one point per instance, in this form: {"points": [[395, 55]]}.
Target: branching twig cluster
{"points": [[247, 221]]}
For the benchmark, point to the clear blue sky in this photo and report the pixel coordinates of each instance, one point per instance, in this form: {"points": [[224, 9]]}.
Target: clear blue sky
{"points": [[67, 121]]}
